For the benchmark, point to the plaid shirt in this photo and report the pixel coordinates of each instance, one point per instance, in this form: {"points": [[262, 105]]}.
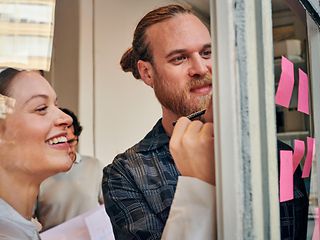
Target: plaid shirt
{"points": [[139, 186]]}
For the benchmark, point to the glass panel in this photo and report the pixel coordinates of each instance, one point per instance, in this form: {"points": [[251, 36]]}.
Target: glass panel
{"points": [[313, 9], [26, 31], [291, 40]]}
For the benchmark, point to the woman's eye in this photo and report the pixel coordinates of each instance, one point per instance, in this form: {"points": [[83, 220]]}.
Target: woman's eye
{"points": [[42, 110]]}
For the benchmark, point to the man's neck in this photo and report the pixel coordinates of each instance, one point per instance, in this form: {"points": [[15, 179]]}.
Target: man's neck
{"points": [[168, 118]]}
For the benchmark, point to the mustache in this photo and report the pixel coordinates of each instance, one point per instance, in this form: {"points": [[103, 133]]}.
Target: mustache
{"points": [[200, 81]]}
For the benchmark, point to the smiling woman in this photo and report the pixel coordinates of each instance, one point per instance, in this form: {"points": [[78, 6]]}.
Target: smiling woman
{"points": [[33, 147]]}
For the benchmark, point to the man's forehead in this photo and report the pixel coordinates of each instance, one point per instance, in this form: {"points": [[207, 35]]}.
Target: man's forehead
{"points": [[174, 24], [178, 32]]}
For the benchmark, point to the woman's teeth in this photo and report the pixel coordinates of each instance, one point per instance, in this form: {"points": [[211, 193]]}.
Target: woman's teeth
{"points": [[57, 140]]}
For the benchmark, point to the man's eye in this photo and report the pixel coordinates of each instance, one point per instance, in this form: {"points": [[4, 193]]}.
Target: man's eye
{"points": [[178, 59], [206, 54]]}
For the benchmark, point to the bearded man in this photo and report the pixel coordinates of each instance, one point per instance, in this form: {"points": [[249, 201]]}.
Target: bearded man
{"points": [[171, 53]]}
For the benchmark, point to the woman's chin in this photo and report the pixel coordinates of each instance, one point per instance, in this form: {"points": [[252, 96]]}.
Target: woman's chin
{"points": [[64, 165], [69, 164]]}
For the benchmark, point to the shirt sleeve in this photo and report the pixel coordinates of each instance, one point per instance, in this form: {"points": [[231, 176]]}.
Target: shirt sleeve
{"points": [[130, 215], [100, 193], [192, 214]]}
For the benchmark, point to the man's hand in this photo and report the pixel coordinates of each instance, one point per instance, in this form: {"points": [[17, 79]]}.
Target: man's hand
{"points": [[192, 148], [208, 116]]}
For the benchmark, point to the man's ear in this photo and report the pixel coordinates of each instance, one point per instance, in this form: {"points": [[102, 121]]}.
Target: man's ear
{"points": [[146, 72], [2, 131]]}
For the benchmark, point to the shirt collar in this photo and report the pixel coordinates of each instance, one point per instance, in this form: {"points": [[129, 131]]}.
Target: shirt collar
{"points": [[156, 138], [78, 158]]}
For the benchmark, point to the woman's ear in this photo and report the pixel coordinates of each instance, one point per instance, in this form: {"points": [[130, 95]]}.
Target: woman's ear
{"points": [[146, 72]]}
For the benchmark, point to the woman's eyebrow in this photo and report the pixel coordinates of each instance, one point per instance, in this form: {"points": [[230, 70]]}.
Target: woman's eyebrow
{"points": [[37, 96]]}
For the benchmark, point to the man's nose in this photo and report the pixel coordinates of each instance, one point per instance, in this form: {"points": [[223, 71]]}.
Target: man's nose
{"points": [[198, 66]]}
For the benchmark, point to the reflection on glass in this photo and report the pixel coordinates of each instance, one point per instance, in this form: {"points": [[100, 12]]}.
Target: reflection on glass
{"points": [[26, 33], [290, 40]]}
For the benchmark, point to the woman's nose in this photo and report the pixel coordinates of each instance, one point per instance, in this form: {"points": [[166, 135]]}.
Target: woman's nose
{"points": [[64, 119]]}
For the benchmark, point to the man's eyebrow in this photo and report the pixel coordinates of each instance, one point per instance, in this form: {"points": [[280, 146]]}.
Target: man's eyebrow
{"points": [[208, 45], [174, 52], [182, 50]]}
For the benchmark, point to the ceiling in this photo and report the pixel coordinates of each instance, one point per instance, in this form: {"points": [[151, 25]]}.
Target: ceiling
{"points": [[203, 6], [279, 5]]}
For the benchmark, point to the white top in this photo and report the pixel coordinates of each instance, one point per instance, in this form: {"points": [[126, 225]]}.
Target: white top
{"points": [[13, 226], [192, 214], [69, 194]]}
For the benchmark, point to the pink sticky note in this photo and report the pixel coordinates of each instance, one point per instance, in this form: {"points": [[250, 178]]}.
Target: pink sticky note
{"points": [[316, 231], [286, 176], [297, 153], [303, 92], [309, 157], [286, 82]]}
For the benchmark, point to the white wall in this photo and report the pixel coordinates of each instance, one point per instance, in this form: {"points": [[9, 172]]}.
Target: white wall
{"points": [[125, 108], [64, 73], [115, 109], [86, 106]]}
